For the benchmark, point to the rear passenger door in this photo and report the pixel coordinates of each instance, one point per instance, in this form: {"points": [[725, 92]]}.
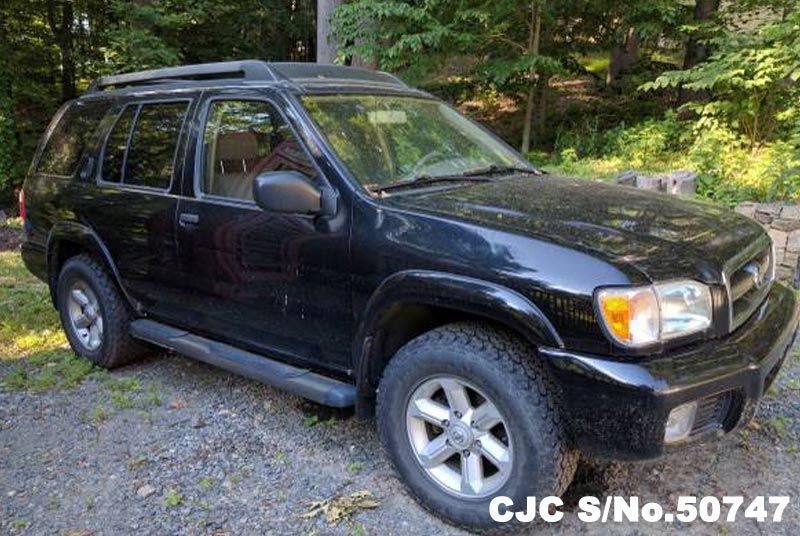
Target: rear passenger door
{"points": [[138, 180], [272, 283]]}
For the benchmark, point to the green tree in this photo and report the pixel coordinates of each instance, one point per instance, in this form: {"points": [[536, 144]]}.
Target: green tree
{"points": [[505, 38], [751, 81]]}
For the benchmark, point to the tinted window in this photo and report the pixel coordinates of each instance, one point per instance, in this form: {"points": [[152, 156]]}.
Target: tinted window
{"points": [[73, 135], [243, 139], [114, 154], [151, 156]]}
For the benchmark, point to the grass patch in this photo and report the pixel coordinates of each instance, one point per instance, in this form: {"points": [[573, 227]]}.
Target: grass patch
{"points": [[98, 415], [125, 393], [55, 369], [31, 334], [794, 384], [172, 498], [778, 427], [28, 322], [353, 468], [18, 525]]}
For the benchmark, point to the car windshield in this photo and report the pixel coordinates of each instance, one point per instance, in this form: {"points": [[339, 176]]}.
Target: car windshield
{"points": [[387, 140]]}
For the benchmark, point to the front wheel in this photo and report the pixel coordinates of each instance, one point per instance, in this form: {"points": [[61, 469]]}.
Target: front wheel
{"points": [[466, 413]]}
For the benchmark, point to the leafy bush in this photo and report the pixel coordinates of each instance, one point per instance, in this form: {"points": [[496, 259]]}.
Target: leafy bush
{"points": [[729, 169]]}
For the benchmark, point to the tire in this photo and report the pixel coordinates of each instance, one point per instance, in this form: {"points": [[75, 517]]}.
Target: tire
{"points": [[501, 369], [110, 345]]}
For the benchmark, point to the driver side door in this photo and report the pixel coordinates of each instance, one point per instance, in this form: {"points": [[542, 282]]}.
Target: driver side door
{"points": [[270, 282]]}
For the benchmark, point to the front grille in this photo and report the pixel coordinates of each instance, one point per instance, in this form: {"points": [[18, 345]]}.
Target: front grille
{"points": [[748, 284], [714, 413]]}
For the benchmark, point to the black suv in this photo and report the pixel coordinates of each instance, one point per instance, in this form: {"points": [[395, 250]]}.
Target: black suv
{"points": [[338, 234]]}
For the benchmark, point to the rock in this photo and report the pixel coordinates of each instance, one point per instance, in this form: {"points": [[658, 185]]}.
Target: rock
{"points": [[627, 178], [773, 209], [779, 238], [198, 421], [763, 217], [145, 491], [793, 242], [645, 182], [791, 212], [746, 209], [680, 183], [785, 273], [785, 224]]}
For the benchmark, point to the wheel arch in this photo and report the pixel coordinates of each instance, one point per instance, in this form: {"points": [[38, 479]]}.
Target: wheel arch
{"points": [[67, 239], [412, 302]]}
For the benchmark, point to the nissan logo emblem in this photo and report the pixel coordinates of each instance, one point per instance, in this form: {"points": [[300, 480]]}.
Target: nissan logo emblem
{"points": [[758, 275]]}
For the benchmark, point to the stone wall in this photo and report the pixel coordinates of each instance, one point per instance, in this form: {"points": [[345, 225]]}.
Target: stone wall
{"points": [[782, 222]]}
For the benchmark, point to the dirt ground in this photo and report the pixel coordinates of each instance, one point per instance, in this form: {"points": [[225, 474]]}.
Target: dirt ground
{"points": [[172, 446]]}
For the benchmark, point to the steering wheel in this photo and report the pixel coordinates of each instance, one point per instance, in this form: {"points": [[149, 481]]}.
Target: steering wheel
{"points": [[423, 161]]}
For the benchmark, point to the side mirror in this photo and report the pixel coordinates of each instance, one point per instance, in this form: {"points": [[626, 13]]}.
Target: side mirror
{"points": [[289, 192]]}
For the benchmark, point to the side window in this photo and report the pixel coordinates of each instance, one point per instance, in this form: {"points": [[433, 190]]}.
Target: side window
{"points": [[243, 139], [151, 155], [71, 137], [117, 143]]}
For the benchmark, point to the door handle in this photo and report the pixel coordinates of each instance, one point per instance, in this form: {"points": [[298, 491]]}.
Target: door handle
{"points": [[187, 219]]}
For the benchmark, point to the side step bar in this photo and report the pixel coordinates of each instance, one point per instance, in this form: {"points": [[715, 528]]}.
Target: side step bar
{"points": [[299, 381]]}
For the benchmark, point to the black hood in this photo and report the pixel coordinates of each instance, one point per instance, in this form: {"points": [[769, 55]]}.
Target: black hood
{"points": [[662, 236]]}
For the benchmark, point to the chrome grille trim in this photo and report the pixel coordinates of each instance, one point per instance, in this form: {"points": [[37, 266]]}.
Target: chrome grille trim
{"points": [[745, 291]]}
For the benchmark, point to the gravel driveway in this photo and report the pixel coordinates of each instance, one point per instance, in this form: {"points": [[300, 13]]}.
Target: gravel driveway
{"points": [[173, 446], [217, 454]]}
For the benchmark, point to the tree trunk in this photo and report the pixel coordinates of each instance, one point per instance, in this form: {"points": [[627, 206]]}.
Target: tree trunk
{"points": [[623, 55], [65, 41], [697, 52], [544, 94], [358, 61], [533, 49], [326, 44]]}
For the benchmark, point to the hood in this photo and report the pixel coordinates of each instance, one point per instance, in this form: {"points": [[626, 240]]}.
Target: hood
{"points": [[662, 236]]}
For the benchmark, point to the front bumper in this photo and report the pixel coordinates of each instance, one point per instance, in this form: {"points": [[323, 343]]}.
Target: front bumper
{"points": [[618, 410]]}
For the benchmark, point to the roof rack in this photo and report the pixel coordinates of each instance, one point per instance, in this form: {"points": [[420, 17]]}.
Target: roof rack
{"points": [[249, 70]]}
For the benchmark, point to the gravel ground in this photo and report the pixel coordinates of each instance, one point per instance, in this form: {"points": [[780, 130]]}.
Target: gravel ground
{"points": [[172, 446]]}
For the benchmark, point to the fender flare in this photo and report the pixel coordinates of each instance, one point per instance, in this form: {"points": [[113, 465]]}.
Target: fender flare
{"points": [[461, 293], [87, 238]]}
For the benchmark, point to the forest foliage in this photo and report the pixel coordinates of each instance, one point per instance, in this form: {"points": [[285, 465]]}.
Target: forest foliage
{"points": [[585, 87]]}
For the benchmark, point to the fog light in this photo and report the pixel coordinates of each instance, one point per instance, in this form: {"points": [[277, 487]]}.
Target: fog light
{"points": [[680, 422]]}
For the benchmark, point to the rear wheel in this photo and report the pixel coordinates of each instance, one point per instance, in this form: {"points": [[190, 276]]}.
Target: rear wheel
{"points": [[467, 413], [94, 315]]}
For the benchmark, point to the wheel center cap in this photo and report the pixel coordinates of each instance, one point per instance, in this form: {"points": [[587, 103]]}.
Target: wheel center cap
{"points": [[460, 435]]}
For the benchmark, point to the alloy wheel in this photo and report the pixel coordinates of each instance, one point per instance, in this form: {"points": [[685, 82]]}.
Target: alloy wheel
{"points": [[84, 315], [459, 437]]}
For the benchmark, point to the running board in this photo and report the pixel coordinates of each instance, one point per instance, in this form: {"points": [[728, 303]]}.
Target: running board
{"points": [[299, 381]]}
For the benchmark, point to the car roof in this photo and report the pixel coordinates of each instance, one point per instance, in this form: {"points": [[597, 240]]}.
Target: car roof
{"points": [[297, 77]]}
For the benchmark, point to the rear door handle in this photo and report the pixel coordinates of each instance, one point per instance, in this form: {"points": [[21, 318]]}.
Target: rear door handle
{"points": [[187, 219]]}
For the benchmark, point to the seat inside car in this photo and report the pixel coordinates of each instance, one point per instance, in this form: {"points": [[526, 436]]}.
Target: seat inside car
{"points": [[235, 158]]}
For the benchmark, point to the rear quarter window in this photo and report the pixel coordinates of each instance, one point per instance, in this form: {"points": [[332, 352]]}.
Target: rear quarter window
{"points": [[71, 137]]}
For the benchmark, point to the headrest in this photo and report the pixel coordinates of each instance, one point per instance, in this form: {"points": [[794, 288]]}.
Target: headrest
{"points": [[237, 146]]}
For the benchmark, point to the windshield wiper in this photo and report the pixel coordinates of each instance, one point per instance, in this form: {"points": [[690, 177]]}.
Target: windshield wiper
{"points": [[496, 169], [473, 175], [424, 180]]}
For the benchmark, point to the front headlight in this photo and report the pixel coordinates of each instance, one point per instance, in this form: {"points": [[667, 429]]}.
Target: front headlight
{"points": [[640, 316]]}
